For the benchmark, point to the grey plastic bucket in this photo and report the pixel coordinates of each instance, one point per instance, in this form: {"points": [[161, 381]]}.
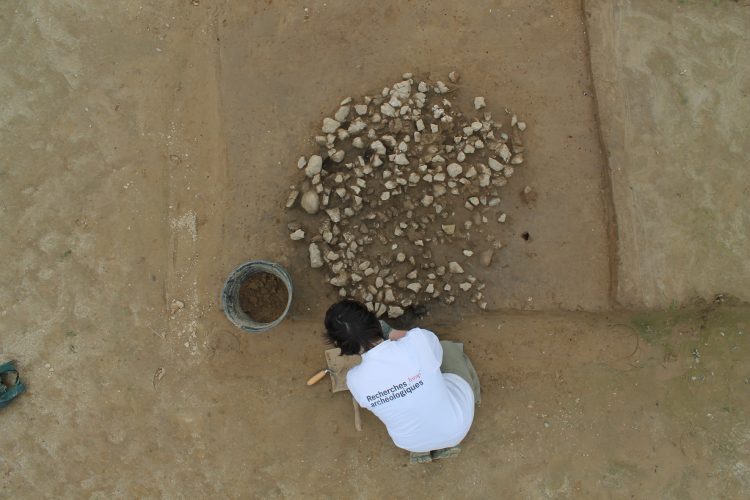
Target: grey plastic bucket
{"points": [[230, 295]]}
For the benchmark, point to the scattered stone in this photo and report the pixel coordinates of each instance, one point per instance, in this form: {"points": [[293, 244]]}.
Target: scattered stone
{"points": [[292, 198], [334, 214], [378, 147], [504, 152], [338, 156], [342, 114], [455, 268], [485, 258], [340, 280], [495, 165], [310, 202], [314, 166], [400, 167], [395, 312], [528, 195], [400, 159], [316, 260], [329, 126], [176, 306], [454, 169]]}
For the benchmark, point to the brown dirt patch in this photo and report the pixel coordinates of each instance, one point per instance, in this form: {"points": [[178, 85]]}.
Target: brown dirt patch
{"points": [[263, 297]]}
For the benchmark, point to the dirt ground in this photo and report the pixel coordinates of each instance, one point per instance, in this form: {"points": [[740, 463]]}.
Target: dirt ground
{"points": [[669, 79], [147, 149]]}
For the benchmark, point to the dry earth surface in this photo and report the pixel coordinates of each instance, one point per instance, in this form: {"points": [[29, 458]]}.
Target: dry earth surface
{"points": [[147, 149], [670, 79]]}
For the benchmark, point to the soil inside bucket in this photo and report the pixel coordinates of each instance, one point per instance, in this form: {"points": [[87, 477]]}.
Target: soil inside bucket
{"points": [[263, 297]]}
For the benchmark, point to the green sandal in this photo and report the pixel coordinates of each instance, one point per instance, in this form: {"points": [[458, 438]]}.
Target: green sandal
{"points": [[420, 458], [7, 393], [445, 452]]}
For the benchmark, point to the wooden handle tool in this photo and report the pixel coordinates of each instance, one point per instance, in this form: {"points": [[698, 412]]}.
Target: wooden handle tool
{"points": [[318, 377]]}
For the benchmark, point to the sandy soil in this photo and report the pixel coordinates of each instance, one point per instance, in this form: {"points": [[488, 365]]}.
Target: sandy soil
{"points": [[146, 151], [669, 79]]}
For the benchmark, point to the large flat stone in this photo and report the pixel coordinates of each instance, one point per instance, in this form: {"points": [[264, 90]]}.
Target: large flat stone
{"points": [[672, 83]]}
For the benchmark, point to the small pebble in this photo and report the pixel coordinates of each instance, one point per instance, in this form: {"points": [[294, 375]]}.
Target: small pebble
{"points": [[455, 268], [485, 258]]}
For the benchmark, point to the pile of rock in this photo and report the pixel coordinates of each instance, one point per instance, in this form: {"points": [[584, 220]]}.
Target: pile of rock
{"points": [[400, 193]]}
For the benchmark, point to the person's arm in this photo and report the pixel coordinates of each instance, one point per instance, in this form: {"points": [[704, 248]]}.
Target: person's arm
{"points": [[397, 334]]}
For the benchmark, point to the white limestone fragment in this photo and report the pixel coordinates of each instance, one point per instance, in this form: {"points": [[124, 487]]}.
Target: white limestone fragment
{"points": [[310, 202], [330, 125], [495, 165], [314, 166], [316, 260], [455, 267], [378, 147], [342, 113], [454, 169]]}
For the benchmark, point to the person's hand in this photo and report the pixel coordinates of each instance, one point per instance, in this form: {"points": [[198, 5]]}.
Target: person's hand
{"points": [[397, 334]]}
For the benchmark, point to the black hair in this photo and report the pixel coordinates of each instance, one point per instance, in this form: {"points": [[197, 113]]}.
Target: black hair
{"points": [[351, 327]]}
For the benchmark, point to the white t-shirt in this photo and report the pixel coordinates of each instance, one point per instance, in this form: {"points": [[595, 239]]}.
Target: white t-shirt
{"points": [[400, 382]]}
